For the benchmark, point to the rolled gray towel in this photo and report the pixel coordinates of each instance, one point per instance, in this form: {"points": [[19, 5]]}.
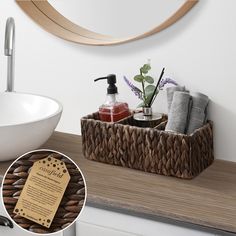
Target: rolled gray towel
{"points": [[179, 112], [170, 93], [198, 113]]}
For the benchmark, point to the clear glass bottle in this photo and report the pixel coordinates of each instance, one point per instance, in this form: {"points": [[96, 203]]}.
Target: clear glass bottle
{"points": [[112, 110]]}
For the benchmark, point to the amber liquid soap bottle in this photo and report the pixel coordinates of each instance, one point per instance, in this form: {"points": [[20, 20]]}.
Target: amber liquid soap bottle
{"points": [[112, 110]]}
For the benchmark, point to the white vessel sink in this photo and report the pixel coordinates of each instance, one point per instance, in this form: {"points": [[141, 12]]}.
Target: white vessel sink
{"points": [[26, 122]]}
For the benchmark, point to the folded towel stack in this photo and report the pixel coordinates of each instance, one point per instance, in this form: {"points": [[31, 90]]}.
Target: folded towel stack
{"points": [[178, 114], [186, 112], [170, 94], [198, 113]]}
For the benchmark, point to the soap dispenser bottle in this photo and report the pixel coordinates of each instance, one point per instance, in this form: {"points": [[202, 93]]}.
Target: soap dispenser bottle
{"points": [[112, 110]]}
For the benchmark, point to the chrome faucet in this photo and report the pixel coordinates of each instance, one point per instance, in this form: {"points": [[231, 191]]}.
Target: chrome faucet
{"points": [[9, 51]]}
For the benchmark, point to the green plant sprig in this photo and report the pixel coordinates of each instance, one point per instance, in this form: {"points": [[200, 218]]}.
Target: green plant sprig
{"points": [[147, 90]]}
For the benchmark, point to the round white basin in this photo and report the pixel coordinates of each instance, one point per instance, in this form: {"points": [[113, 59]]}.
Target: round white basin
{"points": [[26, 122]]}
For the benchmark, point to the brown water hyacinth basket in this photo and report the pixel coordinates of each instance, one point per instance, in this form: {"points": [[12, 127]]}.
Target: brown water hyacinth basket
{"points": [[148, 149]]}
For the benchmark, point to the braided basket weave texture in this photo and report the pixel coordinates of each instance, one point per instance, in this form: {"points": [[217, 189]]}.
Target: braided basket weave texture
{"points": [[148, 149]]}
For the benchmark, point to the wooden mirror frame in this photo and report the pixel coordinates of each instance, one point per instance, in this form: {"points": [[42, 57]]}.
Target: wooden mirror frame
{"points": [[43, 13]]}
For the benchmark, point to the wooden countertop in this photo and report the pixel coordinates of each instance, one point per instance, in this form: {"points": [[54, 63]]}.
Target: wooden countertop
{"points": [[208, 200]]}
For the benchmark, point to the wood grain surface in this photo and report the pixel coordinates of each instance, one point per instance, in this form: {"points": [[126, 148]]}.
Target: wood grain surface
{"points": [[208, 200]]}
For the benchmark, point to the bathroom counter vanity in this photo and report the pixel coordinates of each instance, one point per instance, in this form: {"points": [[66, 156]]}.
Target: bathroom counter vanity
{"points": [[206, 204]]}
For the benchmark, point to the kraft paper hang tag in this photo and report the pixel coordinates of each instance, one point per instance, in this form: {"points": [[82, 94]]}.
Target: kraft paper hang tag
{"points": [[43, 191]]}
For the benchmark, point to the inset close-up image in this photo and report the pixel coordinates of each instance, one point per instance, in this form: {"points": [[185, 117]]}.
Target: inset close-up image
{"points": [[44, 191]]}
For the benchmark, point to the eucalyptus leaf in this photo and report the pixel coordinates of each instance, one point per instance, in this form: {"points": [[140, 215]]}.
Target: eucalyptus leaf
{"points": [[149, 79], [145, 68], [148, 98], [138, 78], [149, 89]]}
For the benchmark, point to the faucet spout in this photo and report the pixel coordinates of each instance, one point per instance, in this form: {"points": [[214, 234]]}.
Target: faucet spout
{"points": [[9, 51]]}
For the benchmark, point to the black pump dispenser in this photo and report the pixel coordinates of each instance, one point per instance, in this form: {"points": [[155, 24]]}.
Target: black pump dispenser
{"points": [[112, 110], [111, 80]]}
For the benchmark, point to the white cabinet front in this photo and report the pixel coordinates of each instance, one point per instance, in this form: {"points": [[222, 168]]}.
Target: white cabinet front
{"points": [[94, 221], [87, 229]]}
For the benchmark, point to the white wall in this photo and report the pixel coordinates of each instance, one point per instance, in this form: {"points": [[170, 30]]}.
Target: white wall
{"points": [[199, 52]]}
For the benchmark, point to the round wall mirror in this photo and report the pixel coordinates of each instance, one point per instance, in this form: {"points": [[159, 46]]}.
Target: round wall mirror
{"points": [[105, 22]]}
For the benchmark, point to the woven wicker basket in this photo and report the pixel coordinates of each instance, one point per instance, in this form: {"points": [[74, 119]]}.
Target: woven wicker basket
{"points": [[147, 149]]}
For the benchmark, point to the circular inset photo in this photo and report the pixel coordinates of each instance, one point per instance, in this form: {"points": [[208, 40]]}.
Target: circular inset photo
{"points": [[44, 191]]}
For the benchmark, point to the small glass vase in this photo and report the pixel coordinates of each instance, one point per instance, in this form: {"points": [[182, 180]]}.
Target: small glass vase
{"points": [[147, 118]]}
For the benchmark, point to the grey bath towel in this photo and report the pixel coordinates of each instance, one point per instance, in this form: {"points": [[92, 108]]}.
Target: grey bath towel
{"points": [[198, 113], [179, 112], [170, 93]]}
